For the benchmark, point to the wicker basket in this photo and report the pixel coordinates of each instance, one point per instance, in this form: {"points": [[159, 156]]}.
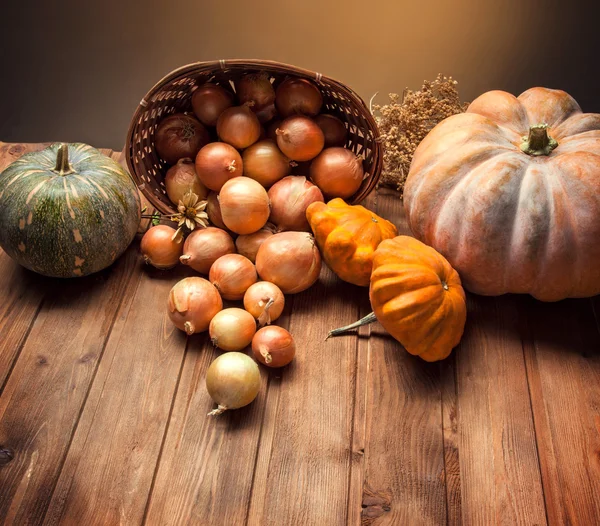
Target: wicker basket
{"points": [[173, 94]]}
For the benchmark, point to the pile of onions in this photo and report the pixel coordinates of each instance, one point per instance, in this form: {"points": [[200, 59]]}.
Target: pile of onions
{"points": [[298, 96], [213, 209], [193, 303], [256, 90], [160, 248], [264, 162], [217, 163], [290, 198], [209, 101], [182, 178], [265, 301], [291, 260], [248, 244], [232, 381], [238, 126], [333, 129], [337, 172], [179, 136], [300, 138], [204, 246], [244, 205], [273, 346], [232, 274], [232, 329]]}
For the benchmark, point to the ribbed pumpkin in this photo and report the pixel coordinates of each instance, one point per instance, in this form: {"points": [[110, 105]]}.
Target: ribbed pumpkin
{"points": [[509, 192], [418, 298], [67, 211], [347, 236]]}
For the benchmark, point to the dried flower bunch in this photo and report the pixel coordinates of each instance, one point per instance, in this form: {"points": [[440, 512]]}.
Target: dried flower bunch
{"points": [[404, 123]]}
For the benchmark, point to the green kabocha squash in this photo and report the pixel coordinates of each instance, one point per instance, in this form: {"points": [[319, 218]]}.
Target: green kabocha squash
{"points": [[67, 210]]}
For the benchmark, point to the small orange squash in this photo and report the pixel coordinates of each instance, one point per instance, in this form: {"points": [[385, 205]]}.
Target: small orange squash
{"points": [[347, 237], [418, 298]]}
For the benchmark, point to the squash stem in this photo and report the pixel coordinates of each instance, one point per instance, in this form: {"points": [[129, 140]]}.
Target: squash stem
{"points": [[369, 318], [538, 142], [62, 161]]}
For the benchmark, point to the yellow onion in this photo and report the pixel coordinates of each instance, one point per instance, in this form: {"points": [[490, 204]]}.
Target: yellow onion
{"points": [[291, 260], [238, 126], [160, 247], [298, 96], [290, 198], [204, 246], [265, 301], [182, 178], [244, 205], [248, 244], [257, 90], [273, 346], [192, 304], [333, 129], [213, 209], [217, 163], [300, 138], [232, 274], [209, 101], [232, 329], [232, 381], [338, 172], [179, 136], [264, 162]]}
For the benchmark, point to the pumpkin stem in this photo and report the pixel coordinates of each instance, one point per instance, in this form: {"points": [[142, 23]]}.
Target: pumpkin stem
{"points": [[369, 318], [538, 142], [62, 161]]}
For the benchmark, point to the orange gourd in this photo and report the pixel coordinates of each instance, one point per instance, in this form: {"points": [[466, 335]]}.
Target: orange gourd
{"points": [[509, 193], [418, 298], [347, 237]]}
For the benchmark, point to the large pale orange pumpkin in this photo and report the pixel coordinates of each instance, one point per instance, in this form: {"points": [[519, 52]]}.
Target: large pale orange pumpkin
{"points": [[418, 298], [509, 193], [347, 236]]}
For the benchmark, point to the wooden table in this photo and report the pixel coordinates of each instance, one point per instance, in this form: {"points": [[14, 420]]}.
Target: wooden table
{"points": [[103, 404]]}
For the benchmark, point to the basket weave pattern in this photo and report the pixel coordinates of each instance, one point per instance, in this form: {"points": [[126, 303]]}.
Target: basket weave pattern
{"points": [[173, 93]]}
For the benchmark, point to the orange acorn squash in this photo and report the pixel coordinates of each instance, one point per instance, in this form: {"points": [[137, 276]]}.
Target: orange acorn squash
{"points": [[418, 298], [347, 237], [509, 192]]}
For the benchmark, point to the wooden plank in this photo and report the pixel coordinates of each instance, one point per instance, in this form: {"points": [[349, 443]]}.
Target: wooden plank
{"points": [[563, 363], [499, 470]]}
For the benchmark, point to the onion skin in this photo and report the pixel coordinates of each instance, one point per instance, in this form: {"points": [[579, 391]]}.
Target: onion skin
{"points": [[295, 96], [291, 260], [209, 101], [300, 138], [239, 127], [290, 198], [213, 209], [158, 247], [244, 205], [264, 162], [338, 172], [265, 301], [182, 178], [256, 90], [232, 329], [232, 381], [248, 244], [204, 246], [333, 129], [273, 346], [192, 304], [217, 163], [179, 136], [232, 275]]}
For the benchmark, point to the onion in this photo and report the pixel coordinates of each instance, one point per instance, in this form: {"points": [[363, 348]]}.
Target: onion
{"points": [[273, 346], [232, 329], [256, 90], [337, 172], [244, 205], [333, 129], [159, 247], [179, 136], [238, 126], [272, 129], [290, 198], [216, 163], [232, 381], [291, 260], [213, 209], [267, 113], [264, 162], [300, 138], [209, 101], [232, 274], [298, 96], [204, 246], [192, 303], [182, 178], [265, 301], [248, 244]]}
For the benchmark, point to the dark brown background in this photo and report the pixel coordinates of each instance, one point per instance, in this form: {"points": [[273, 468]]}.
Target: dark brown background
{"points": [[75, 70]]}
